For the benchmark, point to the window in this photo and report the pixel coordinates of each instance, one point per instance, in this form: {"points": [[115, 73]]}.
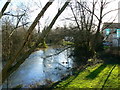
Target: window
{"points": [[107, 31], [118, 33]]}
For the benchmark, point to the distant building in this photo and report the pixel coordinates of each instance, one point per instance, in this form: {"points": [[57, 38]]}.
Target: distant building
{"points": [[111, 32], [68, 38]]}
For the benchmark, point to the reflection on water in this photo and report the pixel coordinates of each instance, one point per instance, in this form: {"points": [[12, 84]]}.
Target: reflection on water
{"points": [[37, 68]]}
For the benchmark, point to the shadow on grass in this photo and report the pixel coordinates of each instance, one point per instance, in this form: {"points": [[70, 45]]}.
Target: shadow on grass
{"points": [[108, 77], [66, 84], [94, 74]]}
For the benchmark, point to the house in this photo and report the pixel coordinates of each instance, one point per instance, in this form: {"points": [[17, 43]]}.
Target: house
{"points": [[111, 33]]}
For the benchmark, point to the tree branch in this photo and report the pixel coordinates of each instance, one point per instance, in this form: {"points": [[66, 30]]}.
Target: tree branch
{"points": [[4, 8], [10, 62]]}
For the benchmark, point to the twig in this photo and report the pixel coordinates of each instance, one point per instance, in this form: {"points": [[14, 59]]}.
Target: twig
{"points": [[57, 53]]}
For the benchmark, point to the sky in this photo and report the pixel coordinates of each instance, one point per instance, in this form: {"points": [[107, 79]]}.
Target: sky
{"points": [[36, 5]]}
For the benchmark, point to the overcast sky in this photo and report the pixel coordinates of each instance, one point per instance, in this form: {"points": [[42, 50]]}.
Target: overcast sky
{"points": [[36, 5]]}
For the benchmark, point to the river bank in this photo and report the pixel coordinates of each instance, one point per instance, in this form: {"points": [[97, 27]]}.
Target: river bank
{"points": [[98, 76], [41, 68], [101, 75]]}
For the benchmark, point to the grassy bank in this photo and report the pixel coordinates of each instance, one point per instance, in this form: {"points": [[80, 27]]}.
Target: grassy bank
{"points": [[97, 76]]}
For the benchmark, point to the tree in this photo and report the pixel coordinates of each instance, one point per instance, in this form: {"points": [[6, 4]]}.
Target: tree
{"points": [[28, 34], [9, 68], [88, 38], [98, 18]]}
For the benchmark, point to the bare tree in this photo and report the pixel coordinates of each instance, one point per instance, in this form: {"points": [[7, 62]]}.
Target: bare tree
{"points": [[87, 16], [8, 69], [10, 62]]}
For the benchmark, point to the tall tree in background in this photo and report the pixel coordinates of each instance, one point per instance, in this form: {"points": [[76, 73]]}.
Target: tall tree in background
{"points": [[88, 20], [98, 15]]}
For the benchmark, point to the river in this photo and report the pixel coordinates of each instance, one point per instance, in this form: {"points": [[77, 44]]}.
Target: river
{"points": [[39, 69]]}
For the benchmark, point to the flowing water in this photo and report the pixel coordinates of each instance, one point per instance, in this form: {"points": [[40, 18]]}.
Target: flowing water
{"points": [[40, 69]]}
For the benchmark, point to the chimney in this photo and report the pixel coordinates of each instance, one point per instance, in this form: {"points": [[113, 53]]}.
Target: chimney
{"points": [[119, 12]]}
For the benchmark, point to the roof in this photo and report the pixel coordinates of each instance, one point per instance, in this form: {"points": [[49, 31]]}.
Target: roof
{"points": [[111, 25]]}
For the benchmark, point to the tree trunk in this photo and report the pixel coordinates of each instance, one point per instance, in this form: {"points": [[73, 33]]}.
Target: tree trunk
{"points": [[41, 38], [10, 62]]}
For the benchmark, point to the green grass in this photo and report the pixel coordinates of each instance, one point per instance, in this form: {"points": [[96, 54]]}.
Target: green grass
{"points": [[98, 76], [106, 47], [67, 43]]}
